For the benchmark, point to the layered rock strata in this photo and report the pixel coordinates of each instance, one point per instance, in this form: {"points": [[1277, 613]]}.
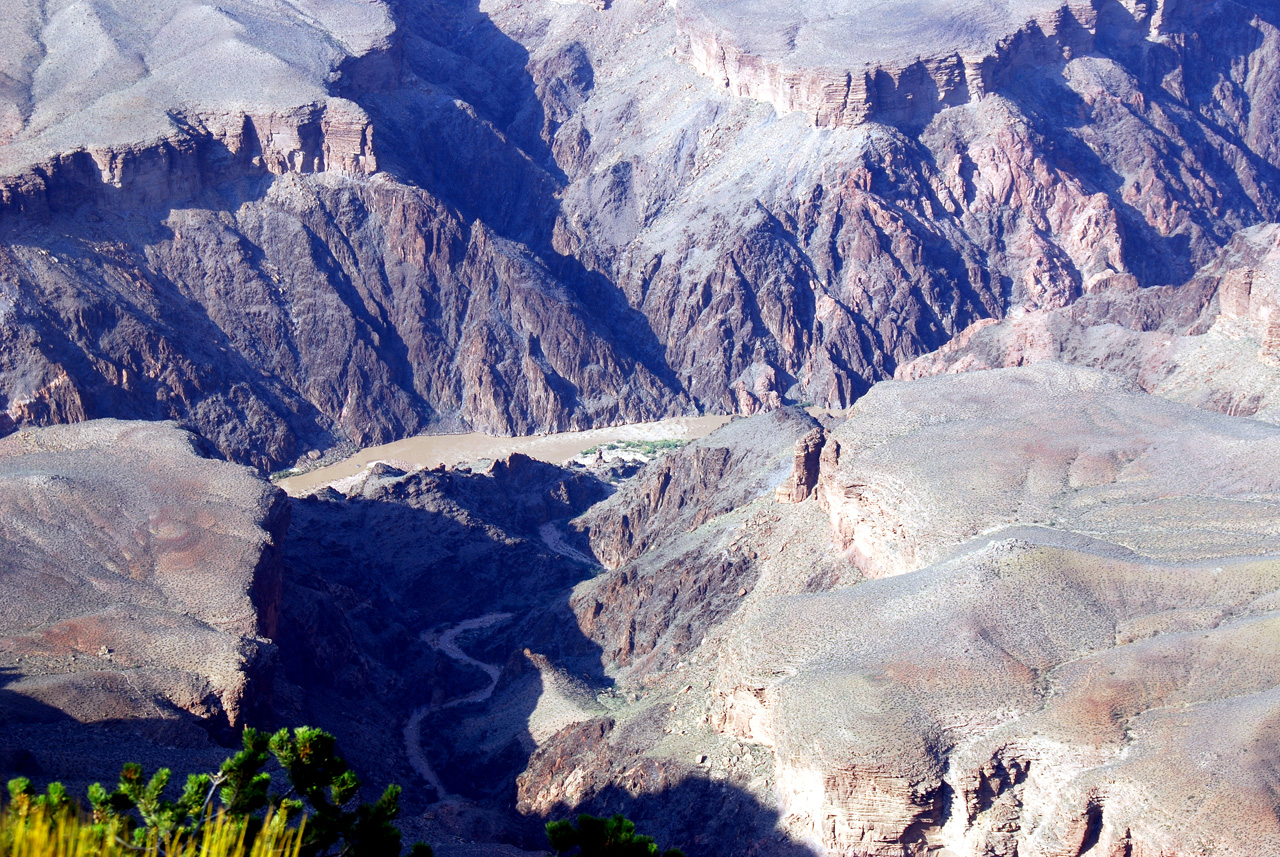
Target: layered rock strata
{"points": [[113, 84], [202, 152], [213, 248], [1069, 581], [841, 63]]}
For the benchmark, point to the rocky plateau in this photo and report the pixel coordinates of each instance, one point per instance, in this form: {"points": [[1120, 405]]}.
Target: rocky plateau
{"points": [[142, 590]]}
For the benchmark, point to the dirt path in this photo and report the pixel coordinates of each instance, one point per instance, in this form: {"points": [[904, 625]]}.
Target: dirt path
{"points": [[447, 644], [554, 540]]}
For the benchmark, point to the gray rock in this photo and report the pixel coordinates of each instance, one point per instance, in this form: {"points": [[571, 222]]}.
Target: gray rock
{"points": [[1063, 644]]}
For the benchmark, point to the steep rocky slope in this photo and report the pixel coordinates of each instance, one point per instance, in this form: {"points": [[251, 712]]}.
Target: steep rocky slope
{"points": [[523, 217], [1006, 625], [157, 601], [1213, 342], [142, 587], [225, 253], [1026, 611], [827, 256], [675, 589]]}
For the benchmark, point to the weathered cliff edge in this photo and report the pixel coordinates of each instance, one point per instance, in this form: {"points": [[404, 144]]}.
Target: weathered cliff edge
{"points": [[907, 86], [179, 95], [142, 585], [333, 135]]}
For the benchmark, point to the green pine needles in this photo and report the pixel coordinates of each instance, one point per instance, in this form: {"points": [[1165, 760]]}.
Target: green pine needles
{"points": [[319, 813], [603, 837]]}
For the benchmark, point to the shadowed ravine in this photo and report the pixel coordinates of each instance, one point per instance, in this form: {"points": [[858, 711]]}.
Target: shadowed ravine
{"points": [[446, 642]]}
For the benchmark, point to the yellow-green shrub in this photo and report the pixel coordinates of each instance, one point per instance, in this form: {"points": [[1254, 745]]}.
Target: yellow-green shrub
{"points": [[320, 815], [64, 832]]}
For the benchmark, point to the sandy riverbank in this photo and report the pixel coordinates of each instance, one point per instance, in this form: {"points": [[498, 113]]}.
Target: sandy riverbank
{"points": [[451, 449]]}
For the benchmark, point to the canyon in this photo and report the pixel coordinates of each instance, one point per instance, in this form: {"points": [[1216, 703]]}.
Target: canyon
{"points": [[398, 218], [1020, 611], [980, 300]]}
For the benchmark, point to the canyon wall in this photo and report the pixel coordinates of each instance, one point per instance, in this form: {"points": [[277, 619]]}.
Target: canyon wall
{"points": [[872, 82], [523, 219]]}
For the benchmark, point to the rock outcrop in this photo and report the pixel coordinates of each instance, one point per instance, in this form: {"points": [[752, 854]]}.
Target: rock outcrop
{"points": [[1069, 580], [804, 470], [1211, 343], [142, 585], [679, 492], [842, 64]]}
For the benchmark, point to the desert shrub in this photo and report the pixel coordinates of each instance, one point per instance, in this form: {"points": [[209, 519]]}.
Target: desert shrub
{"points": [[318, 815], [603, 837]]}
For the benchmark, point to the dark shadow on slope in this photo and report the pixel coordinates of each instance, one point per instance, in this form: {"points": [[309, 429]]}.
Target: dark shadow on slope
{"points": [[700, 816], [378, 580], [467, 119], [134, 343], [45, 744], [412, 557]]}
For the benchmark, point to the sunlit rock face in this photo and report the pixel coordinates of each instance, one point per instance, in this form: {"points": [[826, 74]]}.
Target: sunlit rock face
{"points": [[1213, 342], [111, 79], [913, 474], [141, 582], [1029, 612], [844, 62]]}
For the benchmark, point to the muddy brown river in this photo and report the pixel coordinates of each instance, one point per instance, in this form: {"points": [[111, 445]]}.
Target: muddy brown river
{"points": [[450, 449]]}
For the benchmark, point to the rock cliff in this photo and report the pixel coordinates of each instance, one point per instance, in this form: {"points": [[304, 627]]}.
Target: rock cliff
{"points": [[842, 64], [106, 88], [1058, 578], [679, 492], [403, 217], [679, 582]]}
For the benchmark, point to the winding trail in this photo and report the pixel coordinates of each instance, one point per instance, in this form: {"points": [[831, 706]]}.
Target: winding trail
{"points": [[447, 644], [554, 540]]}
